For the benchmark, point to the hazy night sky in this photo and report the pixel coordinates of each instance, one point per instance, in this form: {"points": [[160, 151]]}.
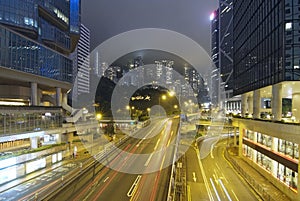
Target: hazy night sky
{"points": [[107, 18]]}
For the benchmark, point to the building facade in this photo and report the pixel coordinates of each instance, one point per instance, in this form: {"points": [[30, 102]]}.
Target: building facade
{"points": [[215, 74], [36, 40], [266, 75], [222, 58], [81, 64], [36, 71]]}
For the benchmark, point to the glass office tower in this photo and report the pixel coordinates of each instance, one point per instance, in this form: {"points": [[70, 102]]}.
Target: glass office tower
{"points": [[267, 43], [267, 76], [36, 37]]}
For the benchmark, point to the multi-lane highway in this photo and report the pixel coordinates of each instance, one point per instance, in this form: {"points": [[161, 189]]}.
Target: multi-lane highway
{"points": [[138, 170]]}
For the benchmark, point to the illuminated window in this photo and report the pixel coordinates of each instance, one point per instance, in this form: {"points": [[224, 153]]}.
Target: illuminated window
{"points": [[288, 26]]}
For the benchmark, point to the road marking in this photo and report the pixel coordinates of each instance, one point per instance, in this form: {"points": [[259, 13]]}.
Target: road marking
{"points": [[169, 142], [225, 178], [204, 176], [235, 195], [161, 166], [144, 138], [194, 177], [134, 186], [157, 144], [227, 194], [214, 187], [189, 193], [215, 178], [147, 162], [211, 150], [105, 179]]}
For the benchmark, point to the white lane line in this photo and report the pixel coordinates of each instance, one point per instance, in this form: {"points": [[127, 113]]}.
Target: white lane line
{"points": [[145, 137], [189, 193], [235, 195], [162, 163], [169, 142], [157, 144], [105, 179], [211, 150], [204, 176], [218, 166], [134, 186], [194, 177], [227, 194], [225, 178], [214, 187], [215, 178], [147, 162]]}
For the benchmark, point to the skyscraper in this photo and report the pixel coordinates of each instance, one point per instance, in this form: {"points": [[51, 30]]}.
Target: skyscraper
{"points": [[82, 63], [266, 56], [215, 74], [222, 57], [266, 74], [36, 40], [226, 45]]}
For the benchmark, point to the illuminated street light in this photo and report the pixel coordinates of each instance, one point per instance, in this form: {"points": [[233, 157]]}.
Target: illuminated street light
{"points": [[99, 116], [171, 93]]}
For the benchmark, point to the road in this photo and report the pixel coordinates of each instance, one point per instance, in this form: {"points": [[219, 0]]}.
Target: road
{"points": [[212, 177], [140, 170]]}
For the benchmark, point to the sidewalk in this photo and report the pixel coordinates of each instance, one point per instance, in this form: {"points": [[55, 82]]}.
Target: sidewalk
{"points": [[265, 189]]}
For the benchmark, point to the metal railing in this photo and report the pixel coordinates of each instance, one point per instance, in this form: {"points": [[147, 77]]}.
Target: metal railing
{"points": [[171, 191], [259, 189]]}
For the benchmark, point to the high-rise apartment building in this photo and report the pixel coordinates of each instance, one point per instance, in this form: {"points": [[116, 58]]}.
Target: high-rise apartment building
{"points": [[266, 74]]}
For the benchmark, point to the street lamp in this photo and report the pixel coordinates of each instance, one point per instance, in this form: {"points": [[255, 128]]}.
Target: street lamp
{"points": [[99, 116], [171, 93]]}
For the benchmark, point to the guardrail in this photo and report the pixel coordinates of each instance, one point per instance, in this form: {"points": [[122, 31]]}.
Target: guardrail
{"points": [[171, 192], [251, 181]]}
